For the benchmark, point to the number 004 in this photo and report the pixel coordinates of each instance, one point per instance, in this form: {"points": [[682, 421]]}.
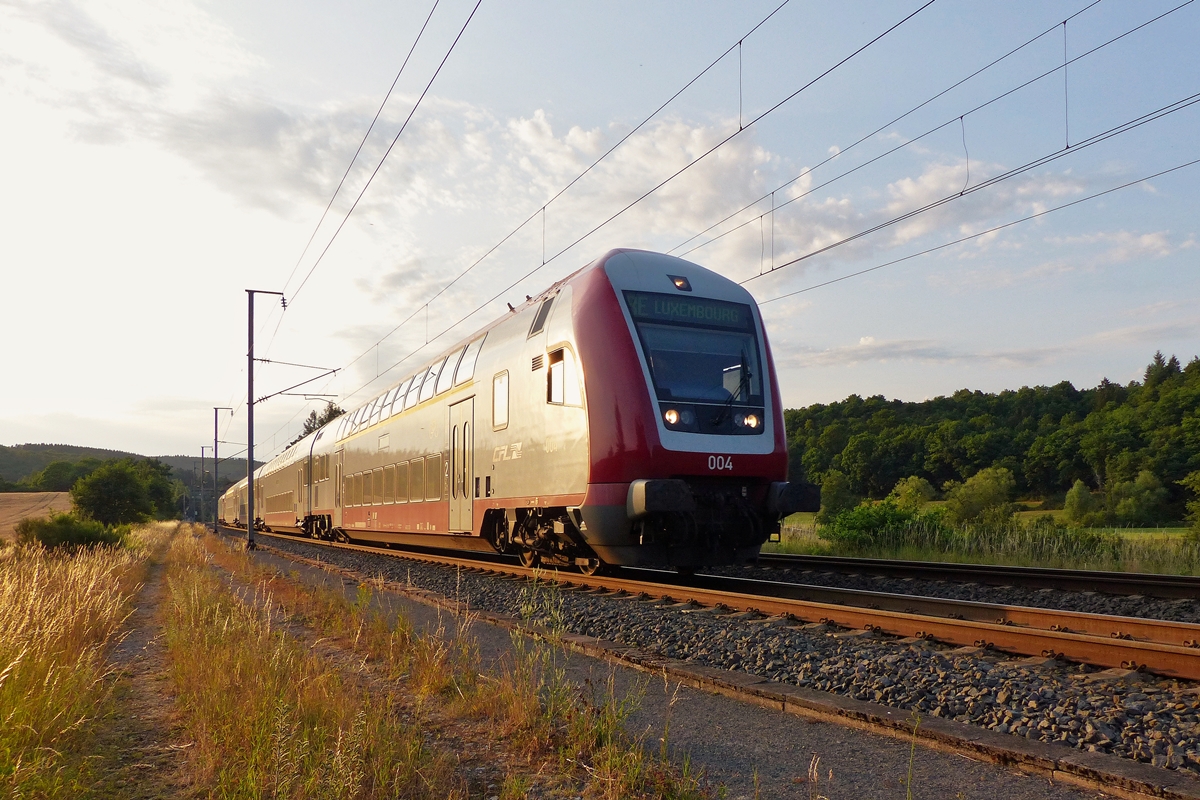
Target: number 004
{"points": [[720, 462]]}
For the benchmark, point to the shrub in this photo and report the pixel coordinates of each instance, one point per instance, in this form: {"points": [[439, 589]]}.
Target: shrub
{"points": [[115, 494], [1140, 501], [983, 497], [836, 496], [67, 530], [912, 492], [882, 524], [1079, 502], [1192, 483]]}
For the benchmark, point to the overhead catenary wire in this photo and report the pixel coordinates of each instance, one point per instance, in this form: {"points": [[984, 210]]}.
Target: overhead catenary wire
{"points": [[350, 166], [914, 139], [993, 229], [843, 150], [387, 152], [541, 210], [1104, 136], [775, 107]]}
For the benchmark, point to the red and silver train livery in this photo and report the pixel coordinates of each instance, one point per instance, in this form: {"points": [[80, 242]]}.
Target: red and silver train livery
{"points": [[628, 415]]}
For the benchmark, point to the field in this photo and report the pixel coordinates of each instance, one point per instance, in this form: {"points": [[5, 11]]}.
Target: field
{"points": [[17, 505]]}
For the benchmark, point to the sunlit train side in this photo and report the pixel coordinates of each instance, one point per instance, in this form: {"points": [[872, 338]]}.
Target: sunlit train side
{"points": [[627, 415]]}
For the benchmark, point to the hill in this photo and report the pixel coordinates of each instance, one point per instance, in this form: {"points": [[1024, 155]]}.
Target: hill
{"points": [[22, 460], [1047, 436]]}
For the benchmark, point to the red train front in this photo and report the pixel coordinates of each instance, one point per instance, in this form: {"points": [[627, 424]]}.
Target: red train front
{"points": [[628, 415]]}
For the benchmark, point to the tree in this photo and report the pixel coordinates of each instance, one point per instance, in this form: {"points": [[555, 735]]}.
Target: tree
{"points": [[982, 497], [163, 490], [1192, 483], [1140, 501], [836, 496], [1079, 502], [317, 421], [60, 476], [912, 492], [114, 494]]}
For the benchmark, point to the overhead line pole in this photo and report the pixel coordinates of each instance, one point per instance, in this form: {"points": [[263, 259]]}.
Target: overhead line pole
{"points": [[250, 519], [200, 510], [216, 462]]}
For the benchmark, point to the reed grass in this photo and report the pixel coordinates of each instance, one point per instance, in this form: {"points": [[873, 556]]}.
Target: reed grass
{"points": [[60, 612], [1016, 544]]}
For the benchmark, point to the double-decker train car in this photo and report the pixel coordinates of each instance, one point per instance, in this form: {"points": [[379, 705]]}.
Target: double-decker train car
{"points": [[628, 415]]}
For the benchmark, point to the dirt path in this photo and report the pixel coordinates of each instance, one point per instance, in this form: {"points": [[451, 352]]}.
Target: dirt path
{"points": [[139, 751], [14, 506]]}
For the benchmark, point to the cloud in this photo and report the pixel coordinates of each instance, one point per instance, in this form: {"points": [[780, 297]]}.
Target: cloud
{"points": [[930, 351]]}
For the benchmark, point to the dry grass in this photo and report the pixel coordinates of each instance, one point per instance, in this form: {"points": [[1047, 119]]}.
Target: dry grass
{"points": [[566, 737], [59, 614], [273, 719]]}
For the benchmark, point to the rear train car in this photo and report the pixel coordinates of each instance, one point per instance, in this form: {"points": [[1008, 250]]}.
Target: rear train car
{"points": [[628, 415]]}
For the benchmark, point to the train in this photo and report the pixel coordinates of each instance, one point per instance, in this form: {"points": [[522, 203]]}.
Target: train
{"points": [[629, 415]]}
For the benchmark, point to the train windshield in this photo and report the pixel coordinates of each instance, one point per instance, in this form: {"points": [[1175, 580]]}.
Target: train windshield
{"points": [[698, 350]]}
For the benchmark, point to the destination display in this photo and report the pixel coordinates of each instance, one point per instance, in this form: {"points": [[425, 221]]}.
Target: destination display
{"points": [[654, 307]]}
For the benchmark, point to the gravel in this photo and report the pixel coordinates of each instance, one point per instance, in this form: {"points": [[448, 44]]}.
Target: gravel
{"points": [[1140, 717], [1177, 610]]}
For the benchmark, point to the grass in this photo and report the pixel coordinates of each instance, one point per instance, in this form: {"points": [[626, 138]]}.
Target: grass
{"points": [[561, 735], [270, 717], [60, 611], [1151, 550]]}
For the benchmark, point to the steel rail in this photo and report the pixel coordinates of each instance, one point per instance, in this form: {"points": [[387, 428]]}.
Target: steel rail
{"points": [[1095, 639], [1072, 580]]}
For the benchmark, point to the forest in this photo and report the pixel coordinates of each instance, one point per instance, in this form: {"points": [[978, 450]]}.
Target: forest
{"points": [[1112, 441]]}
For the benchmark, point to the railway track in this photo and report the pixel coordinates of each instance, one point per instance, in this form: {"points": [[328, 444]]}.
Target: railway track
{"points": [[1165, 648], [1071, 580]]}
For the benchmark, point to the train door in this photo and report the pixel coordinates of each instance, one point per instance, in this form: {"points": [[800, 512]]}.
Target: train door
{"points": [[462, 465], [337, 489]]}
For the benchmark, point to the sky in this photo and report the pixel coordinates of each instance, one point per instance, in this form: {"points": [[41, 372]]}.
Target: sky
{"points": [[935, 161]]}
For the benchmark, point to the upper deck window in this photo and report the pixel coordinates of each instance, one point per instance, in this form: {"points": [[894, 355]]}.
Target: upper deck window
{"points": [[431, 379], [539, 321], [446, 379], [698, 350], [466, 367]]}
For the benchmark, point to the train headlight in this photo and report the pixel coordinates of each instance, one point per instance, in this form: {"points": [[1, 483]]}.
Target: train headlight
{"points": [[679, 418], [750, 421]]}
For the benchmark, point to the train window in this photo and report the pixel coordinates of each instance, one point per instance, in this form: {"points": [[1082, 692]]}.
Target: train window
{"points": [[433, 477], [402, 482], [416, 480], [389, 484], [431, 379], [376, 409], [414, 391], [356, 490], [446, 379], [377, 486], [466, 367], [539, 321], [398, 402], [562, 379], [500, 401]]}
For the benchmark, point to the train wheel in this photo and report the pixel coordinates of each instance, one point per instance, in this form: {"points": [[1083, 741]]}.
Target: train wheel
{"points": [[592, 567], [529, 557]]}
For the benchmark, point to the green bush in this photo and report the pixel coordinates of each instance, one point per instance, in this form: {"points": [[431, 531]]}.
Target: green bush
{"points": [[912, 492], [114, 494], [882, 524], [1140, 501], [836, 496], [1192, 483], [67, 530], [1079, 502], [983, 497]]}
